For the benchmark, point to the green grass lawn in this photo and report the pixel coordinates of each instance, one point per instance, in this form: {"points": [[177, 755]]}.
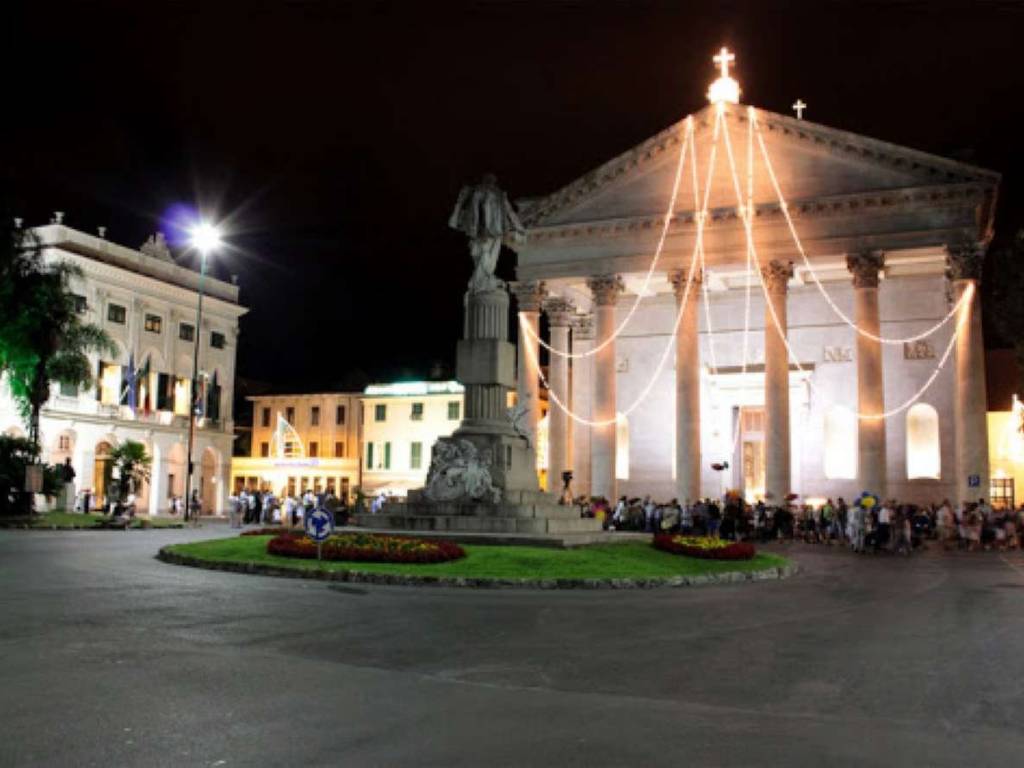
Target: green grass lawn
{"points": [[630, 559], [75, 520]]}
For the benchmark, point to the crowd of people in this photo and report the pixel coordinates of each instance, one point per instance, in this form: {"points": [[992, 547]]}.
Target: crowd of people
{"points": [[255, 507], [865, 525]]}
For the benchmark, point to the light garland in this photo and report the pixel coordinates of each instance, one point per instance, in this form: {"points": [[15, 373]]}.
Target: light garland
{"points": [[697, 249], [746, 214], [964, 303], [752, 119], [666, 223]]}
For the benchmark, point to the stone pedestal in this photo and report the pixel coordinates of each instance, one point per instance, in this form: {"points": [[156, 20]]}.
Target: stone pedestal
{"points": [[483, 478]]}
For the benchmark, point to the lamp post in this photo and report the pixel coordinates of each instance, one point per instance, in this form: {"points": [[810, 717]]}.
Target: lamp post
{"points": [[205, 238]]}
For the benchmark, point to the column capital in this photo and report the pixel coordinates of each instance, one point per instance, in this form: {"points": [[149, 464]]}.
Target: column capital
{"points": [[865, 265], [529, 294], [678, 279], [559, 311], [606, 288], [777, 275], [582, 326], [964, 260]]}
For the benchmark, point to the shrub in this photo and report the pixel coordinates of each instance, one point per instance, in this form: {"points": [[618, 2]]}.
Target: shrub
{"points": [[704, 547], [367, 548]]}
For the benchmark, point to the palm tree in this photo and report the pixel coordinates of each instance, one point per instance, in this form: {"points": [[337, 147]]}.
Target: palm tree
{"points": [[42, 339], [132, 464]]}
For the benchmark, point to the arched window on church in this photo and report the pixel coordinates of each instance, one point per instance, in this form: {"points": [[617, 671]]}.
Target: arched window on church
{"points": [[840, 443], [622, 448], [924, 455]]}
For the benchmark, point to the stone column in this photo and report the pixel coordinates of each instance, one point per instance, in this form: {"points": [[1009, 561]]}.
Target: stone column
{"points": [[871, 460], [529, 297], [776, 384], [559, 312], [157, 480], [687, 388], [582, 395], [969, 404], [606, 290]]}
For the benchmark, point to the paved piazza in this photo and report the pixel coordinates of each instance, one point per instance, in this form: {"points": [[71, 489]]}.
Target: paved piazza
{"points": [[111, 658]]}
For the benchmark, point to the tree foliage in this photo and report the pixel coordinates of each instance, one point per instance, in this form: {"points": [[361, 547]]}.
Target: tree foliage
{"points": [[130, 463], [16, 453], [42, 337]]}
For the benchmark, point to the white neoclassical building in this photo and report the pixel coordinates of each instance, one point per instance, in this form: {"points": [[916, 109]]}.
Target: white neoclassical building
{"points": [[147, 304], [799, 349]]}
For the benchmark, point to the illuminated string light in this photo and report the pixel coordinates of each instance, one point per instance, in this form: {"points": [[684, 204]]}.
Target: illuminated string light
{"points": [[666, 223], [965, 305], [807, 262], [697, 247]]}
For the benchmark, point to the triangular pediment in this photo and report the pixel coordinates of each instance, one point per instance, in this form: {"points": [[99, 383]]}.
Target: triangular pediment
{"points": [[811, 162]]}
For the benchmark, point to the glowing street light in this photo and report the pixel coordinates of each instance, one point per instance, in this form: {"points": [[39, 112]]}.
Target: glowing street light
{"points": [[205, 238]]}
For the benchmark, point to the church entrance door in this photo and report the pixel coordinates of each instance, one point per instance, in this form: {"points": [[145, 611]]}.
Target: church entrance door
{"points": [[752, 448]]}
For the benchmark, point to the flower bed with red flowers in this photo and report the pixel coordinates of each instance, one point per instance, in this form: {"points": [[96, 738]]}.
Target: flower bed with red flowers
{"points": [[367, 548], [704, 547]]}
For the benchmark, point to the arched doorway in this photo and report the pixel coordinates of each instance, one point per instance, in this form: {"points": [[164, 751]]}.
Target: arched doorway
{"points": [[103, 465], [208, 479]]}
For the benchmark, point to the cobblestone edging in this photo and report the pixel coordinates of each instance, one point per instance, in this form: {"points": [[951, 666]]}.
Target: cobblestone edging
{"points": [[394, 579]]}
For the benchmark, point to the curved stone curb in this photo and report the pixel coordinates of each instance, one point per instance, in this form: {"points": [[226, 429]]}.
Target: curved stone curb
{"points": [[404, 580], [98, 529]]}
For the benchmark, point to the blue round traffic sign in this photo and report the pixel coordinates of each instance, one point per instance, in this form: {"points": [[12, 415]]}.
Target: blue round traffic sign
{"points": [[319, 524]]}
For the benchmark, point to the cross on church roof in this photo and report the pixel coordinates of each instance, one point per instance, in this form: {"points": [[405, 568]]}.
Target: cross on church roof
{"points": [[799, 106], [722, 59]]}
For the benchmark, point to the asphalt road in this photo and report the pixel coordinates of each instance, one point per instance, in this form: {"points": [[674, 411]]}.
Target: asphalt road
{"points": [[109, 657]]}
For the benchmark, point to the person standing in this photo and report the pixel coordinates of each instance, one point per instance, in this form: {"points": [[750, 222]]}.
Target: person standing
{"points": [[884, 526], [67, 473]]}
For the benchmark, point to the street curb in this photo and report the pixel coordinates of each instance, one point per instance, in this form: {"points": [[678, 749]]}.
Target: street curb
{"points": [[97, 529], [403, 580]]}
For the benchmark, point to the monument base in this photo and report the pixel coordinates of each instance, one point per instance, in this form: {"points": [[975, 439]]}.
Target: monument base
{"points": [[524, 512]]}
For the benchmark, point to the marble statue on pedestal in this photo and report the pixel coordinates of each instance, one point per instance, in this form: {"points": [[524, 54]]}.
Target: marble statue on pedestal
{"points": [[484, 214]]}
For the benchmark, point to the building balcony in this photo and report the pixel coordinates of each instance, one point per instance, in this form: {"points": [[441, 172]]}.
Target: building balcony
{"points": [[78, 407]]}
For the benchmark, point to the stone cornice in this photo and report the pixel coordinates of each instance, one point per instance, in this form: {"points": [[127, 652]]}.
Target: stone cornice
{"points": [[831, 140], [865, 265], [108, 277], [900, 200]]}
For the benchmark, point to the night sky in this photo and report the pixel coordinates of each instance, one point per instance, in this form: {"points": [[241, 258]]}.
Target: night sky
{"points": [[333, 137]]}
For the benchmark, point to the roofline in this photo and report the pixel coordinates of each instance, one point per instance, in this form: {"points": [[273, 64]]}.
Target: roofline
{"points": [[132, 260], [537, 208]]}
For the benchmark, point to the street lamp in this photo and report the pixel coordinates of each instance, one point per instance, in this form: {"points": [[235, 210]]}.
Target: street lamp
{"points": [[205, 238]]}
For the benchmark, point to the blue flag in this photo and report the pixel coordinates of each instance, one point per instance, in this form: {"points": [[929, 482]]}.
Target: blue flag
{"points": [[130, 382]]}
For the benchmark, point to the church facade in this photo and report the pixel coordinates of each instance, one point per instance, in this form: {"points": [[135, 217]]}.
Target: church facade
{"points": [[753, 302]]}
